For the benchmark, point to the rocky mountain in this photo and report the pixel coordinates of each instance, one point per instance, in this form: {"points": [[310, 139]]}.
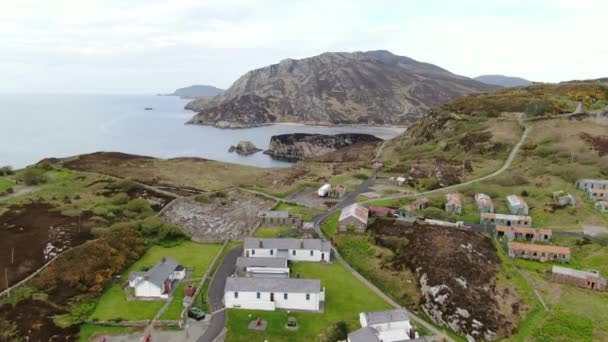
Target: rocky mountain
{"points": [[293, 147], [373, 87], [503, 81], [197, 91]]}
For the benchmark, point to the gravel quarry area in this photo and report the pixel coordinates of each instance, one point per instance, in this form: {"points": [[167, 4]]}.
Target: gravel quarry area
{"points": [[232, 215]]}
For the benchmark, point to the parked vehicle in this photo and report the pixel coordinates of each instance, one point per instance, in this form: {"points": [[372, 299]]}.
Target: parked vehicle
{"points": [[196, 313]]}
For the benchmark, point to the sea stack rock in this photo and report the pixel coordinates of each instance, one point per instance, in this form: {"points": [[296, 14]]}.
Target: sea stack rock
{"points": [[244, 148]]}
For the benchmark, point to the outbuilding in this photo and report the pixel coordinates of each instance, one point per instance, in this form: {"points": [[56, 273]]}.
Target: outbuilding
{"points": [[584, 184], [506, 220], [539, 252], [484, 203], [353, 218], [585, 279], [262, 267], [271, 218], [454, 203], [601, 206], [524, 233], [386, 326], [517, 206]]}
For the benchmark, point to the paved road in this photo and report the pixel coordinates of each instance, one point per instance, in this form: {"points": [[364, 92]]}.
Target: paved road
{"points": [[505, 166], [216, 295], [348, 200]]}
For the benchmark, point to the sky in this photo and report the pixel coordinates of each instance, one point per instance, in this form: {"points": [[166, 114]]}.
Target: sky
{"points": [[153, 46]]}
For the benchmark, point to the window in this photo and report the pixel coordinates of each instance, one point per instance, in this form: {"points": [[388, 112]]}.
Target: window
{"points": [[308, 296], [253, 252], [258, 295], [311, 252], [293, 252], [236, 295], [272, 252], [284, 295]]}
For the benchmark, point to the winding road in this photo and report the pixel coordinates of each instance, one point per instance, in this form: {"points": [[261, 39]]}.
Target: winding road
{"points": [[505, 166], [346, 201], [215, 295]]}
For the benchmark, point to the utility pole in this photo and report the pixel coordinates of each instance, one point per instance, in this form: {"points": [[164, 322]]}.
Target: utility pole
{"points": [[6, 277], [13, 256]]}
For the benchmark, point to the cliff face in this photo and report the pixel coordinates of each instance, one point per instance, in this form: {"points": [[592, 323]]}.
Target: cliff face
{"points": [[374, 87], [292, 147]]}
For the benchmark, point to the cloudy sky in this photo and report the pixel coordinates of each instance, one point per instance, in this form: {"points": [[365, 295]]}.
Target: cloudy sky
{"points": [[151, 46]]}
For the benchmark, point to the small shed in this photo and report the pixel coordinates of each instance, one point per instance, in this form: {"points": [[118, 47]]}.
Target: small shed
{"points": [[408, 210], [454, 203], [353, 217]]}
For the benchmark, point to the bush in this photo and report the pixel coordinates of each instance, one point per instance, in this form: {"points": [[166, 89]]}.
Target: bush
{"points": [[511, 180], [219, 194], [203, 199], [6, 171], [120, 199], [141, 207], [336, 332], [33, 176], [361, 176]]}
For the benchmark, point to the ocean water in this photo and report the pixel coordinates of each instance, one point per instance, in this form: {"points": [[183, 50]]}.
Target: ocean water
{"points": [[34, 127]]}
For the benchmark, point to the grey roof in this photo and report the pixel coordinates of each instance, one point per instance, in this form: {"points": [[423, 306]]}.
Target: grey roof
{"points": [[289, 285], [380, 317], [276, 214], [288, 243], [366, 334], [575, 273], [261, 262], [158, 273]]}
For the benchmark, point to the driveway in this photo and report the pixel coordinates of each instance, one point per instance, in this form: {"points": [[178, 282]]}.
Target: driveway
{"points": [[216, 295]]}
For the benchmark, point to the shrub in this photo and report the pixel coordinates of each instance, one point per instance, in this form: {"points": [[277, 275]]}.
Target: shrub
{"points": [[6, 171], [141, 207], [336, 332], [203, 199], [511, 180], [361, 176], [219, 194], [33, 176], [120, 199]]}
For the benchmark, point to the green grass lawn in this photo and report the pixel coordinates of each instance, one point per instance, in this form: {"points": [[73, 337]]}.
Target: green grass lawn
{"points": [[330, 226], [5, 185], [294, 209], [270, 232], [197, 256], [113, 304], [341, 305], [176, 307], [90, 331]]}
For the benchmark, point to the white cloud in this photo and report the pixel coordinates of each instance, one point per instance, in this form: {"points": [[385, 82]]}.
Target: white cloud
{"points": [[149, 46]]}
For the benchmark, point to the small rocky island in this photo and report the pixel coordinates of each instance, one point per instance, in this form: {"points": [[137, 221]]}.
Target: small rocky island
{"points": [[244, 148], [293, 147]]}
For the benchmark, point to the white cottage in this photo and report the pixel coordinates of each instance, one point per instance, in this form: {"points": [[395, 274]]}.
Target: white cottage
{"points": [[385, 326], [262, 267], [158, 281], [315, 250], [271, 294]]}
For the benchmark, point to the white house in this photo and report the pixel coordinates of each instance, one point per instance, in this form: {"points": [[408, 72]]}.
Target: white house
{"points": [[385, 326], [158, 281], [517, 206], [584, 184], [291, 249], [274, 293], [262, 267]]}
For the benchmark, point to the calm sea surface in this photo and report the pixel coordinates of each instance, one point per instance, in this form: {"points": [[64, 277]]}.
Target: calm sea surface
{"points": [[33, 127]]}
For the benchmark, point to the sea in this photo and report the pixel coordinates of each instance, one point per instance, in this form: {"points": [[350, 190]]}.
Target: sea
{"points": [[37, 126]]}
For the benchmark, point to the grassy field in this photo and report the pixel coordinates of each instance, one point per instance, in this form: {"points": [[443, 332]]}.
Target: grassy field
{"points": [[90, 331], [294, 209], [197, 256], [5, 185], [270, 232], [176, 307], [330, 226], [340, 305], [113, 304], [368, 260]]}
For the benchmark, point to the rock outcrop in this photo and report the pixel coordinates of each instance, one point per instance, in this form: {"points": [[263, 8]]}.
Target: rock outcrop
{"points": [[293, 147], [244, 148], [373, 87]]}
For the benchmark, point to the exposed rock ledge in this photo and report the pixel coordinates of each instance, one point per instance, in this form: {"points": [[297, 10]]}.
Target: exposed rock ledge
{"points": [[244, 148], [293, 147]]}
